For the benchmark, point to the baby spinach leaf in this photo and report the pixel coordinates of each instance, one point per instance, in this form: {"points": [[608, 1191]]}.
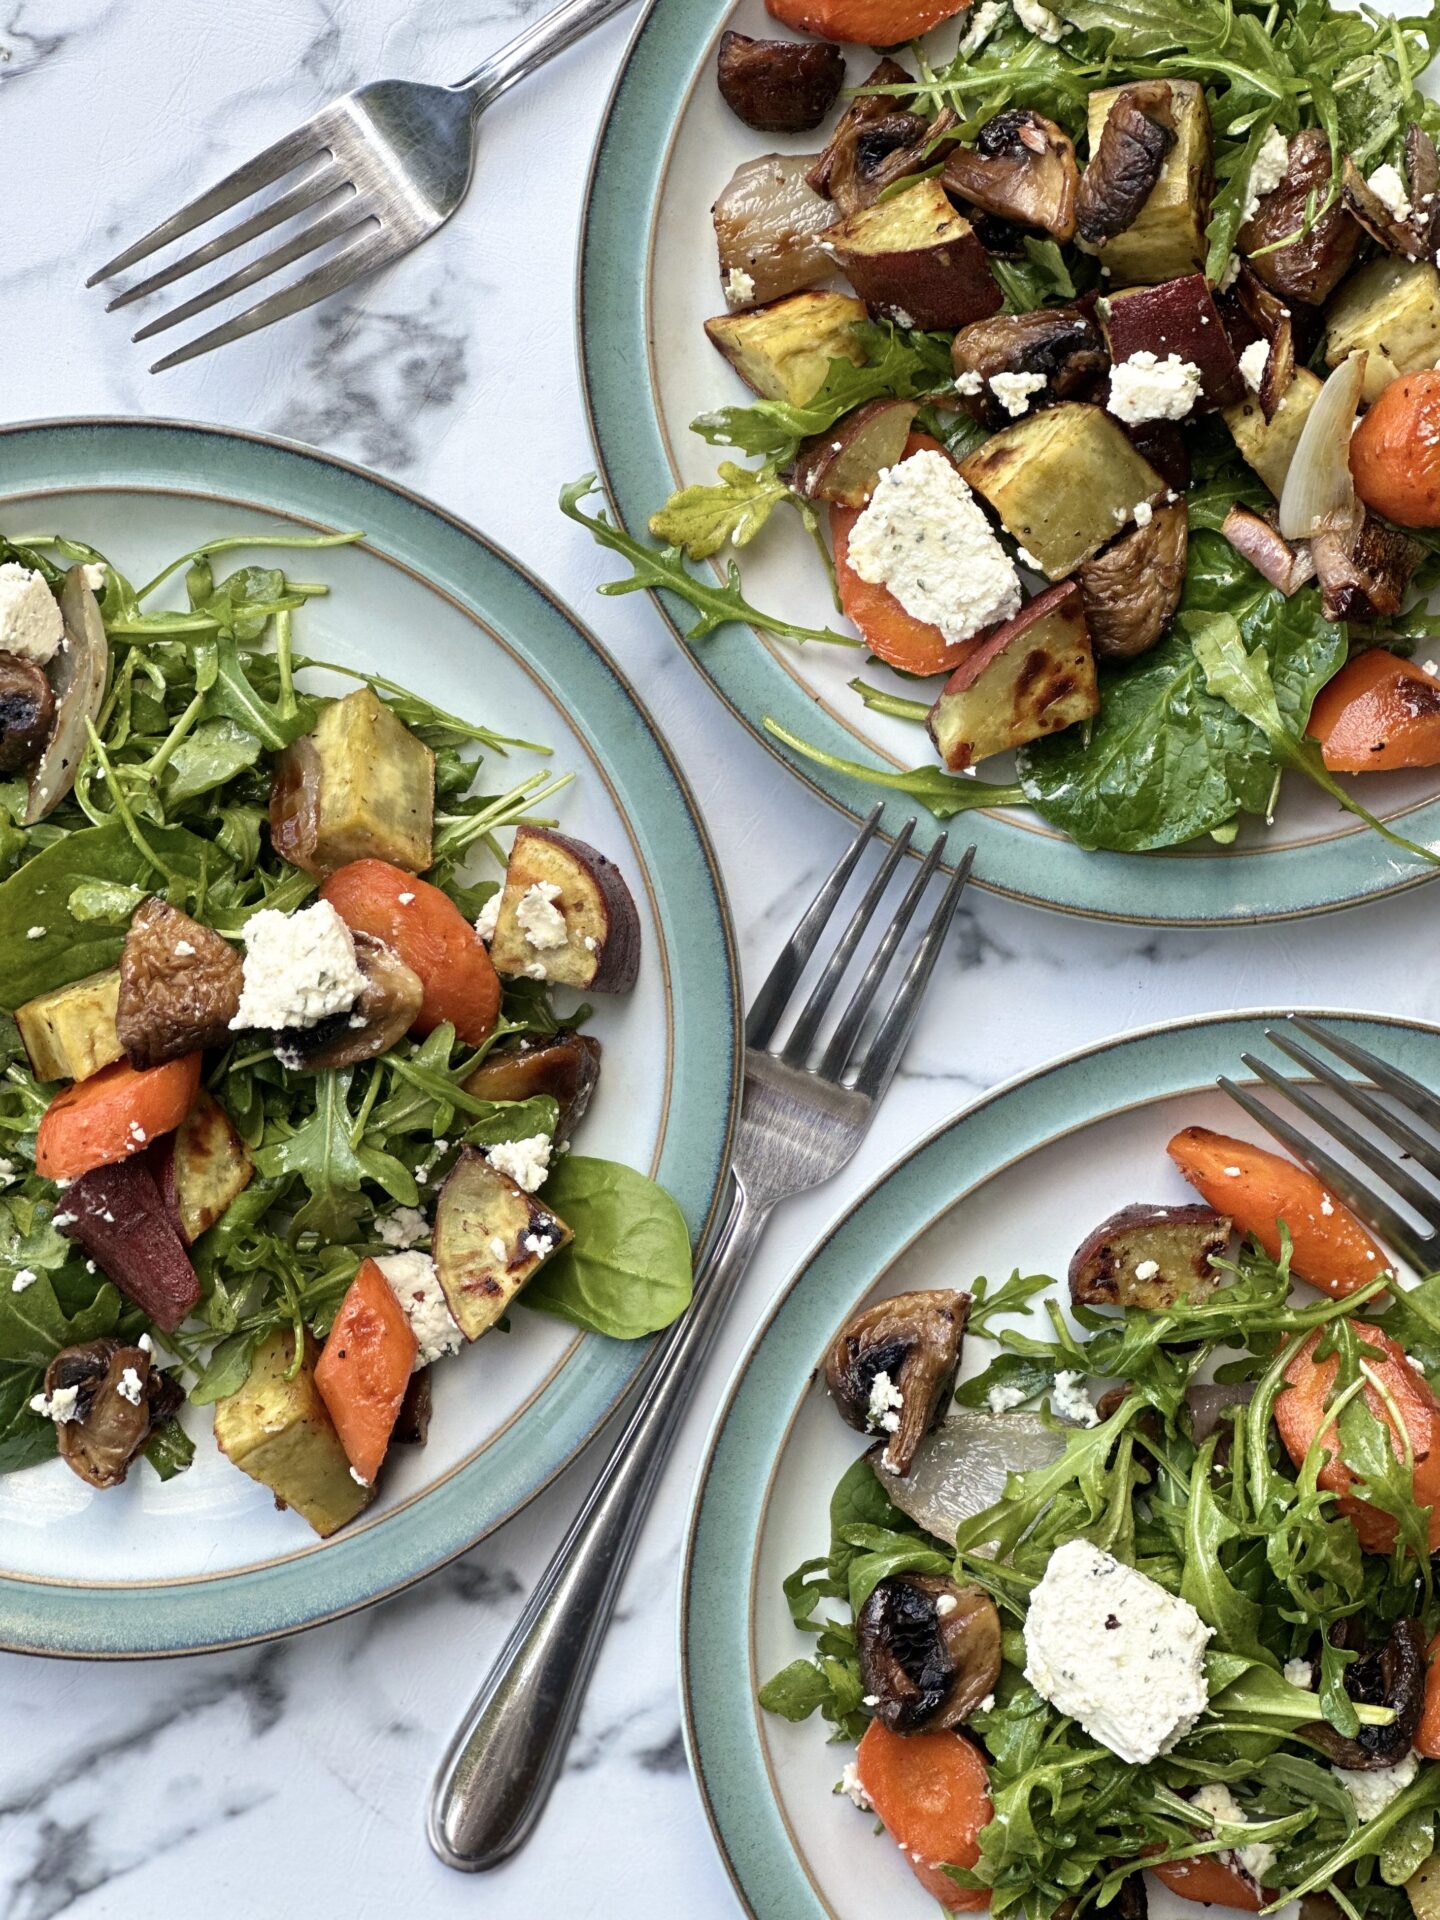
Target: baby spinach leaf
{"points": [[627, 1272], [796, 1691]]}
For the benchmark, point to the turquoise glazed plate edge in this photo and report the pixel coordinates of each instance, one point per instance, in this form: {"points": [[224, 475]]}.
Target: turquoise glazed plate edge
{"points": [[188, 1615], [1193, 887], [735, 1482]]}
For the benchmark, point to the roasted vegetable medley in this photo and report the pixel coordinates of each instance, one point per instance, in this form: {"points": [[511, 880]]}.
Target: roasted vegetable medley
{"points": [[1151, 1593], [284, 1123], [1059, 324]]}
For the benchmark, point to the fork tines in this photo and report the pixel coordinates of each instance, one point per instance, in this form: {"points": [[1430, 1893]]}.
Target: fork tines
{"points": [[868, 1070], [1391, 1165]]}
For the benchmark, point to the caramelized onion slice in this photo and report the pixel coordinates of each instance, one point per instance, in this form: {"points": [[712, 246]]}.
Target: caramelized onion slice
{"points": [[1319, 490]]}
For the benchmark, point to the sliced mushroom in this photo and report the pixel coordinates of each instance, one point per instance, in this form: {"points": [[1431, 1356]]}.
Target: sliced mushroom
{"points": [[77, 676], [779, 86], [180, 985], [767, 226], [907, 1346], [1138, 133], [1253, 312], [1422, 169], [1296, 264], [1364, 567], [384, 1013], [120, 1400], [1062, 344], [1132, 587], [1389, 1676], [412, 1423], [1021, 168], [875, 143], [929, 1651], [27, 712], [1260, 542], [1413, 234]]}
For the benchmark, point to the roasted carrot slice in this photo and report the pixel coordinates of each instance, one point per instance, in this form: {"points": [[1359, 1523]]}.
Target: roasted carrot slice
{"points": [[365, 1369], [865, 23], [1212, 1879], [892, 634], [1300, 1416], [432, 937], [932, 1791], [1395, 452], [1261, 1190], [113, 1114], [1378, 713]]}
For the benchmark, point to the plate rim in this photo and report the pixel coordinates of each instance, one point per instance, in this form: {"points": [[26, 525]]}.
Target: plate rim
{"points": [[46, 1618], [693, 1710], [1090, 882]]}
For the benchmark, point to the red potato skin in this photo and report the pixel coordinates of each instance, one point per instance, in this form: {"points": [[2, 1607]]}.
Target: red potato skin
{"points": [[1379, 713], [1395, 452], [620, 960], [943, 287], [118, 1215], [1180, 316]]}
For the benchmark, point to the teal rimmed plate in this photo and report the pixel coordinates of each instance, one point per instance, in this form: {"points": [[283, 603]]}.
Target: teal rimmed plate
{"points": [[206, 1561], [647, 282], [1014, 1182]]}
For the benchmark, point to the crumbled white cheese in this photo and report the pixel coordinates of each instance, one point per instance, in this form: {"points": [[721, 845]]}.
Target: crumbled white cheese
{"points": [[1071, 1401], [487, 916], [9, 1173], [1231, 273], [902, 318], [945, 1605], [969, 383], [924, 538], [539, 919], [1217, 1802], [1373, 1791], [1145, 387], [1147, 1269], [983, 21], [414, 1282], [26, 1277], [987, 1704], [1142, 513], [849, 1784], [1000, 1398], [497, 1248], [1014, 390], [35, 933], [406, 899], [1039, 20], [145, 1343], [739, 287], [358, 1477], [1267, 172], [403, 1228], [1387, 186], [131, 1387], [30, 623], [886, 1400], [526, 1161], [1253, 362], [95, 575], [1112, 1649], [299, 969], [1026, 559], [1300, 1673], [58, 1406]]}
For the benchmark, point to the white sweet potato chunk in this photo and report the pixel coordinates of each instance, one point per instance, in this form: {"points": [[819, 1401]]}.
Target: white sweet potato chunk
{"points": [[1032, 676], [916, 261], [783, 352], [566, 915], [490, 1237], [1149, 1256]]}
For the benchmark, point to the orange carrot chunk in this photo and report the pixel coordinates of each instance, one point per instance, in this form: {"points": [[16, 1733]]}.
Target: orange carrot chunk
{"points": [[432, 937], [1395, 452], [365, 1368], [1378, 713], [1261, 1190], [113, 1114], [1300, 1414], [933, 1793], [1212, 1879], [865, 23]]}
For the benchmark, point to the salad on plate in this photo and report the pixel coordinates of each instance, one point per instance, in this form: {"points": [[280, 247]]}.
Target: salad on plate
{"points": [[294, 1052], [1095, 349], [1148, 1599]]}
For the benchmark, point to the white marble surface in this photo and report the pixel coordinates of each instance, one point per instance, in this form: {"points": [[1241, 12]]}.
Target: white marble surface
{"points": [[300, 1769]]}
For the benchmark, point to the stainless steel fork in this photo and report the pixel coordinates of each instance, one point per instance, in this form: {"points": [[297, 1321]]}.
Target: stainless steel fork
{"points": [[1417, 1247], [381, 169], [798, 1126]]}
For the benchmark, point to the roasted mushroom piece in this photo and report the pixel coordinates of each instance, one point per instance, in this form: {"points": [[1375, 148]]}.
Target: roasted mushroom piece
{"points": [[893, 1366], [929, 1651], [1389, 1676], [875, 143], [1296, 263], [412, 1423], [179, 986], [1021, 168], [27, 712], [1062, 345], [779, 86], [1412, 231], [1139, 131], [1132, 587], [1363, 567], [1252, 312], [384, 1013], [116, 1399], [1163, 444]]}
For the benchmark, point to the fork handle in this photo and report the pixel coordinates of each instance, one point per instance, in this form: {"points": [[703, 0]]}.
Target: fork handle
{"points": [[504, 1760], [538, 43]]}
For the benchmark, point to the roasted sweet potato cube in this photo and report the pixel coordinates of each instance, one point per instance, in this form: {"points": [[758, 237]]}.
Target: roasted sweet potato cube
{"points": [[1064, 482], [1390, 311], [564, 1067], [917, 261], [179, 986], [1032, 676], [566, 915], [201, 1167], [277, 1429], [1179, 316], [490, 1237], [361, 786], [1269, 445], [843, 465], [70, 1033], [1168, 236], [1149, 1257], [783, 351]]}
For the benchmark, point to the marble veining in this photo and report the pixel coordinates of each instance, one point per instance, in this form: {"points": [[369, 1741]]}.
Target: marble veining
{"points": [[303, 1767]]}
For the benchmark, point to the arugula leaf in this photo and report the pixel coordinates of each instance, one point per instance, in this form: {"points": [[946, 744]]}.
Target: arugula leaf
{"points": [[944, 794], [169, 1450], [627, 1272], [1041, 277], [701, 519]]}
